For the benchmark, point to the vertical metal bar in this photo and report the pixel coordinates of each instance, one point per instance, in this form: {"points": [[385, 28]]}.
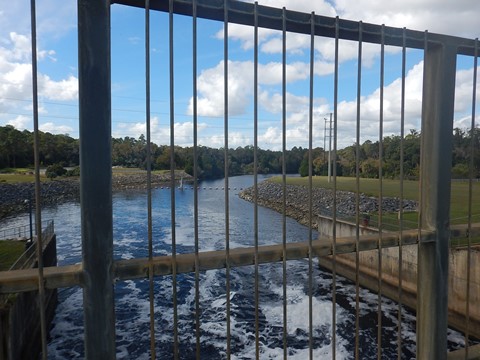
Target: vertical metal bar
{"points": [[470, 197], [334, 216], [400, 245], [149, 179], [255, 178], [310, 190], [284, 178], [96, 177], [357, 195], [227, 203], [435, 181], [330, 150], [38, 205], [380, 195], [195, 180], [172, 185]]}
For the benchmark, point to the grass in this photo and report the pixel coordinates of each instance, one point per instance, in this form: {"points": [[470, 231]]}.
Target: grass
{"points": [[15, 178], [391, 188], [10, 251]]}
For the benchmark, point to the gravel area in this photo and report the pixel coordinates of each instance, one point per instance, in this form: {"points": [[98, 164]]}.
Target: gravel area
{"points": [[270, 195]]}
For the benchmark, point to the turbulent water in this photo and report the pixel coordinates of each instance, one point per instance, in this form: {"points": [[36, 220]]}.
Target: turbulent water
{"points": [[132, 302]]}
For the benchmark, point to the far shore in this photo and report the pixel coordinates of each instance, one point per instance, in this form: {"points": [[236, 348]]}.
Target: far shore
{"points": [[15, 197]]}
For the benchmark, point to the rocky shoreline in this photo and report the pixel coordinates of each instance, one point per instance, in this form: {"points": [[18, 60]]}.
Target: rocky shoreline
{"points": [[14, 197], [270, 195]]}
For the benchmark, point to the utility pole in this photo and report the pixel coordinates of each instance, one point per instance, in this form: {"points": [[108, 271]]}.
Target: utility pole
{"points": [[324, 137]]}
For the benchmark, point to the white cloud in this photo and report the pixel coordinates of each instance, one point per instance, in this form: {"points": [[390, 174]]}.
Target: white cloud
{"points": [[55, 18], [65, 89], [235, 139], [240, 84], [297, 111], [160, 133], [458, 18], [443, 16], [55, 128], [20, 122], [211, 89], [16, 75]]}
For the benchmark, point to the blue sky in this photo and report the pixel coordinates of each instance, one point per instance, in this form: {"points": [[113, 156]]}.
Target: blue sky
{"points": [[58, 83]]}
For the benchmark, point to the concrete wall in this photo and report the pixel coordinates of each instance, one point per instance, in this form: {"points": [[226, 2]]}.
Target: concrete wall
{"points": [[20, 317], [345, 265]]}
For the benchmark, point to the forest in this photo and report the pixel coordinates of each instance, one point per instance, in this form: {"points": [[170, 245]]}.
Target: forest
{"points": [[16, 151]]}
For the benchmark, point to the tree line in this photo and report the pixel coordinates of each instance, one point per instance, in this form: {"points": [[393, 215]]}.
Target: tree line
{"points": [[16, 151]]}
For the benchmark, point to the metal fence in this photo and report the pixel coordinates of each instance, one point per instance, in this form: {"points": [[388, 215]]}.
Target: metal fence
{"points": [[21, 232], [99, 271]]}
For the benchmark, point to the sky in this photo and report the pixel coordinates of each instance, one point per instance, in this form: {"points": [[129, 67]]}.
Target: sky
{"points": [[58, 73]]}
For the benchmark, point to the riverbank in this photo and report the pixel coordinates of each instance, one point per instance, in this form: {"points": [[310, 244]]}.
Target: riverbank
{"points": [[14, 197], [270, 195]]}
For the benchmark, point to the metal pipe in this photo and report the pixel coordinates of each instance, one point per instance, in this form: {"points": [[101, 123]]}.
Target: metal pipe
{"points": [[149, 180], [470, 197], [284, 179], [227, 203], [96, 177], [255, 182], [357, 195], [435, 180], [400, 245], [271, 18], [310, 189], [330, 149], [38, 207], [195, 179], [334, 215], [380, 195], [172, 180], [137, 268]]}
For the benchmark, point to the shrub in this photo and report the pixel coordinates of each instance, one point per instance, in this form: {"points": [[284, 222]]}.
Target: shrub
{"points": [[74, 172], [55, 170]]}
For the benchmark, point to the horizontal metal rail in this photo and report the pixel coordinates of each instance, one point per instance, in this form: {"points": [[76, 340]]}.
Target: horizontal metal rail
{"points": [[297, 22], [72, 275]]}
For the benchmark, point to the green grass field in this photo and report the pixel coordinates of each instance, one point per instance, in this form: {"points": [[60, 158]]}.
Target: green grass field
{"points": [[19, 178], [391, 188], [10, 251]]}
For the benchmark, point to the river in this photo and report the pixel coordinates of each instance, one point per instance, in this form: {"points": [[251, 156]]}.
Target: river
{"points": [[132, 302]]}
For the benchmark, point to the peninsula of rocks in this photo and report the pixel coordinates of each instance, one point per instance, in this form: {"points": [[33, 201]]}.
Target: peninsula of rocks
{"points": [[270, 195]]}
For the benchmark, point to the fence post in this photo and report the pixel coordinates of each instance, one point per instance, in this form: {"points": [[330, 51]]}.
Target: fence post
{"points": [[96, 177], [435, 180]]}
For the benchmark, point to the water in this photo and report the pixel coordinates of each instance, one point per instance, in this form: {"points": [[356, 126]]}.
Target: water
{"points": [[132, 301]]}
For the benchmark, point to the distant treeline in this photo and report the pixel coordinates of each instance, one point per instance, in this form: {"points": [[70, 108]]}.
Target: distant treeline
{"points": [[16, 151]]}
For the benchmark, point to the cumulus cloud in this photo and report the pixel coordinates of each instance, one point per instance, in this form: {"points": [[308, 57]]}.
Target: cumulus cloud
{"points": [[235, 139], [458, 18], [55, 128], [210, 99], [16, 75], [54, 18], [297, 111], [443, 16], [160, 132], [20, 122]]}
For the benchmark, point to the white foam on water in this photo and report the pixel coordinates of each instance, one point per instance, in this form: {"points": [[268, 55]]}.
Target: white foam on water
{"points": [[324, 352]]}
